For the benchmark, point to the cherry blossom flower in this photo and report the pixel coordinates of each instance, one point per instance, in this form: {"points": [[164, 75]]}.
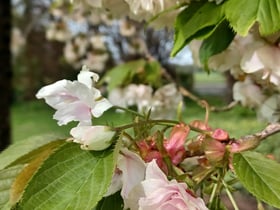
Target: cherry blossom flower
{"points": [[165, 101], [263, 58], [133, 172], [93, 137], [75, 100], [156, 192], [270, 109], [248, 93]]}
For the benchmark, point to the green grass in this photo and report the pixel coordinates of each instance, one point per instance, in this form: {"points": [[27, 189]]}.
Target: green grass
{"points": [[35, 118], [213, 77]]}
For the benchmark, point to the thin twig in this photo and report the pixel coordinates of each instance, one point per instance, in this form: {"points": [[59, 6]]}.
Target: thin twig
{"points": [[224, 108]]}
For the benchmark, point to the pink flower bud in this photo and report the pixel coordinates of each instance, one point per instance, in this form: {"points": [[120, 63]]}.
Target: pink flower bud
{"points": [[175, 144], [220, 135], [214, 150]]}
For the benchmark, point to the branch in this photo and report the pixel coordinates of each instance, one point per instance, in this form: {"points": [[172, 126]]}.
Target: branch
{"points": [[270, 130], [224, 108], [252, 141]]}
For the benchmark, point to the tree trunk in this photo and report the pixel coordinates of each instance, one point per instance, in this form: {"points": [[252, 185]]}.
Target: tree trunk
{"points": [[5, 73]]}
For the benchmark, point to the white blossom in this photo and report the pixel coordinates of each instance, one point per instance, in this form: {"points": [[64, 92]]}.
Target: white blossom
{"points": [[269, 111], [75, 100], [248, 93], [92, 137]]}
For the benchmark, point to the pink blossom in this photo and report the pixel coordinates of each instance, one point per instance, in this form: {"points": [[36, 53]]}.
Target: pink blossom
{"points": [[220, 134], [75, 100], [156, 192], [133, 171], [175, 144]]}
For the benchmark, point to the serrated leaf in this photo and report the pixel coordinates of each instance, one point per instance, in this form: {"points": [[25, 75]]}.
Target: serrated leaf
{"points": [[7, 177], [218, 41], [70, 178], [265, 12], [35, 160], [114, 201], [198, 20], [259, 175], [21, 148]]}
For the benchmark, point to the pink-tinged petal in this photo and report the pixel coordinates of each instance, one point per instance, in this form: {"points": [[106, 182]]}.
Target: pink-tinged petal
{"points": [[100, 107], [214, 150], [154, 172], [251, 61], [161, 194], [116, 183], [175, 144], [75, 101], [76, 111], [133, 170]]}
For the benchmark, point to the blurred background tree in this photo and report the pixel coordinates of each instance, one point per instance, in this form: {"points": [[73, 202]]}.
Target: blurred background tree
{"points": [[5, 73]]}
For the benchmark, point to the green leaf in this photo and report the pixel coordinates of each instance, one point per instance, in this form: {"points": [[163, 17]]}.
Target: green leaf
{"points": [[265, 12], [219, 40], [34, 160], [152, 73], [122, 74], [7, 177], [114, 201], [198, 20], [259, 175], [70, 178], [22, 148]]}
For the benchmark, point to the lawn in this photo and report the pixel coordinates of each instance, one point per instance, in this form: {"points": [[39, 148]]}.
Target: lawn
{"points": [[35, 118]]}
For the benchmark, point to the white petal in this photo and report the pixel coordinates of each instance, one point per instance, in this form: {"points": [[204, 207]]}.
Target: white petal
{"points": [[85, 76], [52, 89], [100, 107], [251, 62]]}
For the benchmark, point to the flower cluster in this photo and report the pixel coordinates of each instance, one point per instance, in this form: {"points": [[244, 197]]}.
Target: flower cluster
{"points": [[253, 62], [161, 103], [160, 164]]}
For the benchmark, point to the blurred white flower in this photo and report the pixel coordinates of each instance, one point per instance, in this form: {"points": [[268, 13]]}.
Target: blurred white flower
{"points": [[126, 28], [139, 95], [265, 58], [117, 97], [75, 100], [248, 93], [81, 44], [165, 101], [58, 32], [97, 42], [269, 111], [96, 61], [139, 7], [137, 46], [70, 53], [93, 137]]}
